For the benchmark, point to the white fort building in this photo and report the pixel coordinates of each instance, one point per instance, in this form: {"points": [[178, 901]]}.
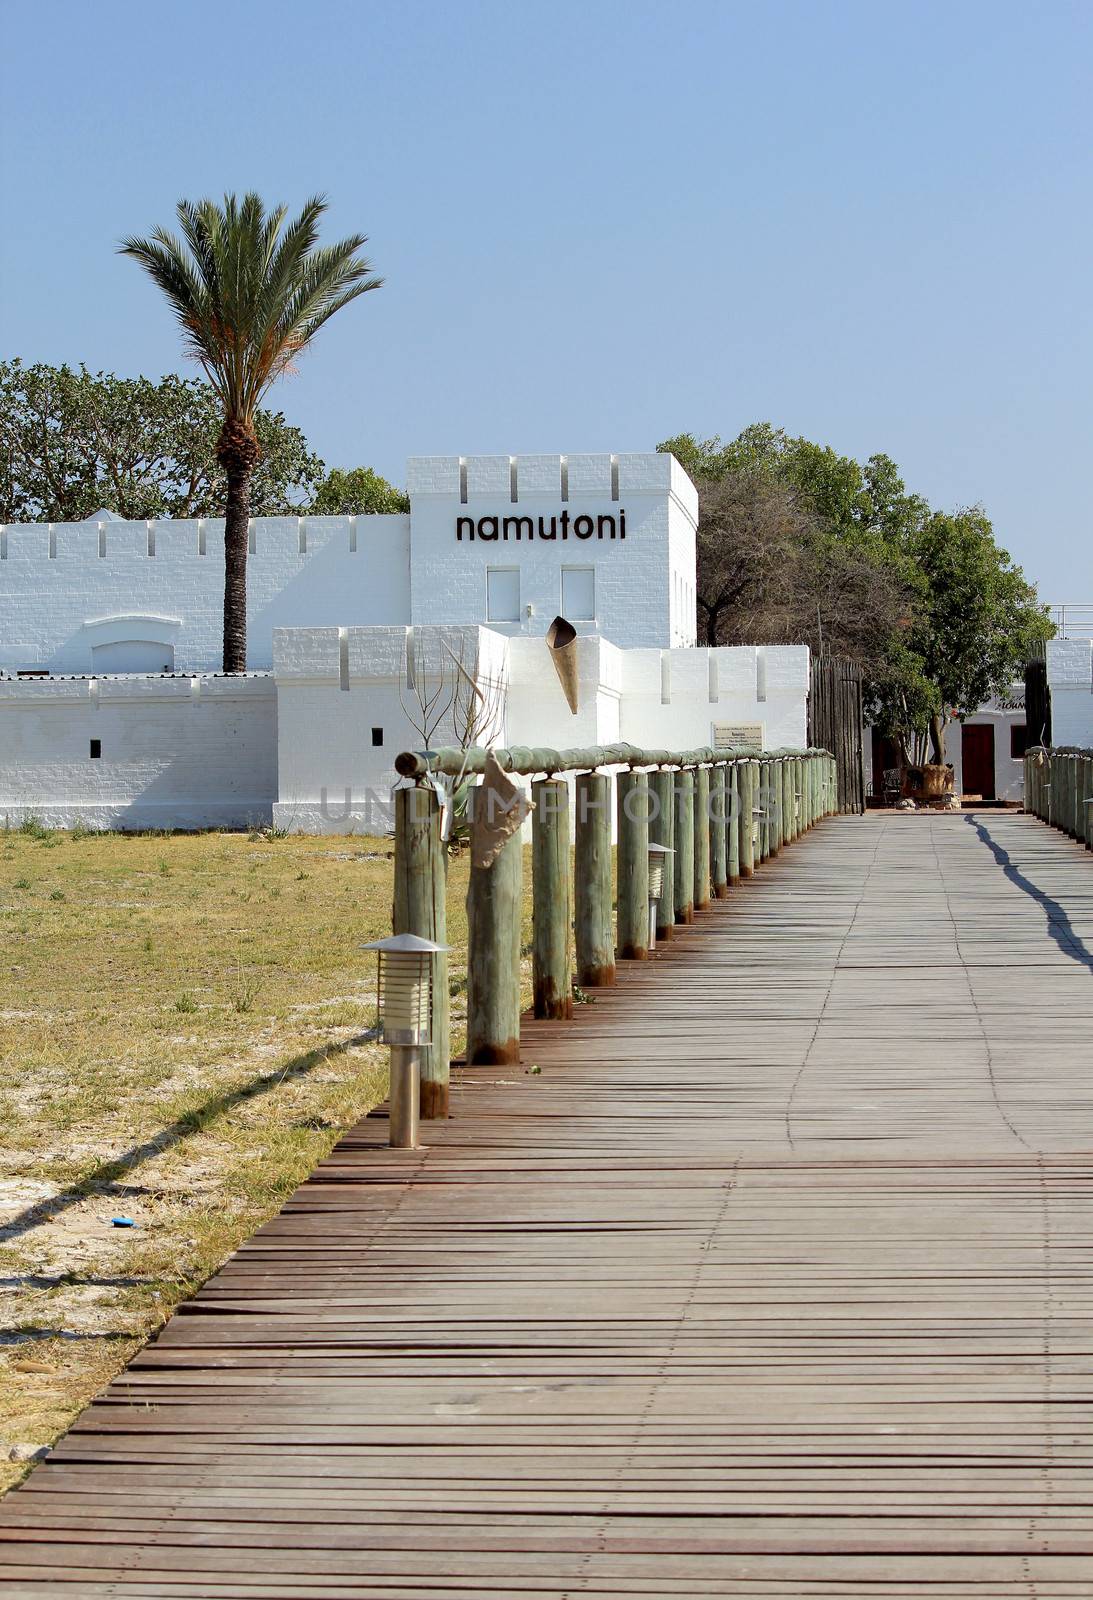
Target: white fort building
{"points": [[367, 635]]}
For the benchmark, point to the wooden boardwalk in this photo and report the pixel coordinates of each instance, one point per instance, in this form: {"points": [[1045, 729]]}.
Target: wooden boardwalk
{"points": [[775, 1282]]}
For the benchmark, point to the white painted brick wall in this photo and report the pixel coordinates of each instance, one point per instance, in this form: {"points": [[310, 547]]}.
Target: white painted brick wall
{"points": [[639, 580], [356, 571], [1070, 679], [176, 752], [46, 602], [325, 731]]}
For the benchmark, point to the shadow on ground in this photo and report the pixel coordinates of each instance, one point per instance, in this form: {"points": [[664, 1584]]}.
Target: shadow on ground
{"points": [[108, 1173]]}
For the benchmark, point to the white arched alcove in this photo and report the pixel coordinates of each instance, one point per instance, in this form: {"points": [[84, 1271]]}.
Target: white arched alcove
{"points": [[132, 642]]}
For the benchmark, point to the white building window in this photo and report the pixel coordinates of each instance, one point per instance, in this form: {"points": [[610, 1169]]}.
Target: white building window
{"points": [[579, 594], [502, 594]]}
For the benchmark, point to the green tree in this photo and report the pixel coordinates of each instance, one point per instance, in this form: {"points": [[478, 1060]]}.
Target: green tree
{"points": [[853, 500], [361, 491], [974, 631], [798, 542], [249, 295], [72, 441]]}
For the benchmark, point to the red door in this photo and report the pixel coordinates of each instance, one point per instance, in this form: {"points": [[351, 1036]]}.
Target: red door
{"points": [[977, 759]]}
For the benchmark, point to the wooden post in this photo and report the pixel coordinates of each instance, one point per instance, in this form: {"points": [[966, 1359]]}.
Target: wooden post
{"points": [[1079, 797], [419, 907], [789, 800], [745, 818], [1077, 789], [684, 876], [762, 834], [702, 828], [632, 800], [495, 903], [732, 816], [662, 831], [719, 840], [551, 971], [775, 803], [592, 894], [1087, 766]]}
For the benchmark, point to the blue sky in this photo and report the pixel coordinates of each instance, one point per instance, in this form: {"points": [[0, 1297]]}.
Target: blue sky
{"points": [[601, 224]]}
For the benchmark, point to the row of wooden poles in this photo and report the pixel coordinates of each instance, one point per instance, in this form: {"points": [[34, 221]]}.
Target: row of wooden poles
{"points": [[1059, 789], [721, 817]]}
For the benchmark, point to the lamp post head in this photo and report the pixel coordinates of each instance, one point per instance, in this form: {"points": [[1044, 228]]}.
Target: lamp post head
{"points": [[405, 987], [658, 856]]}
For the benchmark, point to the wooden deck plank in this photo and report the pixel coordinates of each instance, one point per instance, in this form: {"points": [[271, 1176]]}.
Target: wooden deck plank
{"points": [[806, 1313]]}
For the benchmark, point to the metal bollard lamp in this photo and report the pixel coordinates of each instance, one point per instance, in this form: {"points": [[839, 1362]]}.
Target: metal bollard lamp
{"points": [[657, 862], [405, 1009]]}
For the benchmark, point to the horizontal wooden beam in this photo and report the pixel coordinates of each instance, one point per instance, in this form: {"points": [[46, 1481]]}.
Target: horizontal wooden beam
{"points": [[524, 759]]}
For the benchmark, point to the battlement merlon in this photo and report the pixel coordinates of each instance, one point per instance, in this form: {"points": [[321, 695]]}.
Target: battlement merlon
{"points": [[512, 478]]}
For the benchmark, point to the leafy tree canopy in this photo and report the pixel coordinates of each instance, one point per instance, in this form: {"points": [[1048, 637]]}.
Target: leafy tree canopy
{"points": [[356, 492], [798, 542], [979, 621], [852, 499], [72, 441]]}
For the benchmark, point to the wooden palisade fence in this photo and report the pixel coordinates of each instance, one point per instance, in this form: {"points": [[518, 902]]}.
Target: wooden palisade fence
{"points": [[720, 815], [835, 722], [1059, 789]]}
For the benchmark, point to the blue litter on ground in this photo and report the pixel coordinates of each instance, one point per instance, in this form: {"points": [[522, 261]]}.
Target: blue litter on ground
{"points": [[123, 1222]]}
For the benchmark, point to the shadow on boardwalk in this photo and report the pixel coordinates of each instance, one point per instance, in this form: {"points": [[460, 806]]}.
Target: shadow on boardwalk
{"points": [[1059, 925]]}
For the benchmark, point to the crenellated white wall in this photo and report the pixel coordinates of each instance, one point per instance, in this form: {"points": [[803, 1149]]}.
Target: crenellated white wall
{"points": [[64, 587], [333, 778], [673, 698], [638, 579], [149, 595]]}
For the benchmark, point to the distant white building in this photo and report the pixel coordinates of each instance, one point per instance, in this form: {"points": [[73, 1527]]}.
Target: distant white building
{"points": [[985, 749], [1070, 684], [126, 722]]}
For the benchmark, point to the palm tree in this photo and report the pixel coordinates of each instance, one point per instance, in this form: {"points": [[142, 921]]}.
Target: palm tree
{"points": [[249, 294]]}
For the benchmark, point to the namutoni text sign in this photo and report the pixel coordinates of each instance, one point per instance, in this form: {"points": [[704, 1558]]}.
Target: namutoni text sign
{"points": [[519, 530]]}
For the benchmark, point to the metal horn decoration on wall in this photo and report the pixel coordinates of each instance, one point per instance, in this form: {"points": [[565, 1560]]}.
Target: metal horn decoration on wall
{"points": [[561, 639]]}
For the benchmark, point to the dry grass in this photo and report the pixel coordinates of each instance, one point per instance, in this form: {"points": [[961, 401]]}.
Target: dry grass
{"points": [[184, 1030]]}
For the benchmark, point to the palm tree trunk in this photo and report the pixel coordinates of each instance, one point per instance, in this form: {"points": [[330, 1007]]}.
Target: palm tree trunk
{"points": [[237, 452], [236, 541]]}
